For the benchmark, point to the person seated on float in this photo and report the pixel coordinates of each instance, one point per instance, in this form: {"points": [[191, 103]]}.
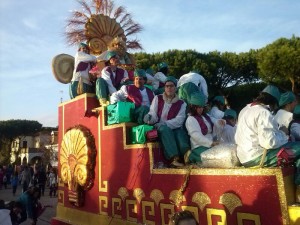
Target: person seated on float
{"points": [[294, 126], [111, 79], [257, 130], [81, 82], [190, 83], [218, 107], [284, 115], [160, 78], [118, 45], [137, 93], [150, 79], [184, 217], [228, 132], [167, 113], [201, 128]]}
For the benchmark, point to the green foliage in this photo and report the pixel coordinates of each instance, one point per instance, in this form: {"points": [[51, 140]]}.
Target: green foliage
{"points": [[279, 62], [245, 94], [11, 129], [219, 69]]}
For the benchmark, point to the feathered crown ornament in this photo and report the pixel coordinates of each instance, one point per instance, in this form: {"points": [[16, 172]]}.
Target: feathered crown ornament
{"points": [[99, 24]]}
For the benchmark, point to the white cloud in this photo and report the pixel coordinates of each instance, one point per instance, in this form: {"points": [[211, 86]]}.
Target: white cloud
{"points": [[30, 23]]}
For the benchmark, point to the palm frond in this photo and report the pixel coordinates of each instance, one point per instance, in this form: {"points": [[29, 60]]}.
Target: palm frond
{"points": [[75, 23], [135, 44], [85, 6], [124, 18], [76, 30], [136, 28], [97, 4], [78, 14], [118, 12]]}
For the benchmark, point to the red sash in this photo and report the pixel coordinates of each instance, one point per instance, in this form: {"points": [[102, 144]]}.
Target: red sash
{"points": [[135, 96], [174, 110], [204, 128], [116, 81]]}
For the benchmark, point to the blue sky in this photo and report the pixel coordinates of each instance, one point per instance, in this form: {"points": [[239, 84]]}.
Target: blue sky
{"points": [[32, 33]]}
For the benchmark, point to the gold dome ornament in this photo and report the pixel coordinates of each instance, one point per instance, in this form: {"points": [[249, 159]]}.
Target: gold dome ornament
{"points": [[77, 162]]}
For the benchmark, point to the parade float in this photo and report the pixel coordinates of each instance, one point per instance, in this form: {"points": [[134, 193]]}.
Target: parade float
{"points": [[105, 179]]}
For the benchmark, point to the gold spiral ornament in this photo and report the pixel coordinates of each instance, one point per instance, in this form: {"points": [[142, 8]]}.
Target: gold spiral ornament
{"points": [[97, 46], [100, 30]]}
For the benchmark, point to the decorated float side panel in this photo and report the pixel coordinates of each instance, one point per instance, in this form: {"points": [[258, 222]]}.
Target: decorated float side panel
{"points": [[126, 187]]}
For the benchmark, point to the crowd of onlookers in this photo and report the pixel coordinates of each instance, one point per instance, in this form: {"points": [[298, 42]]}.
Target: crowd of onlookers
{"points": [[32, 180]]}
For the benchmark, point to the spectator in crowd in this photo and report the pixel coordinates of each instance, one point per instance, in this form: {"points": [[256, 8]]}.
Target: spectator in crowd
{"points": [[137, 93], [29, 200], [14, 182], [14, 208], [25, 178], [53, 183], [4, 181], [167, 113], [284, 115], [42, 179], [184, 217]]}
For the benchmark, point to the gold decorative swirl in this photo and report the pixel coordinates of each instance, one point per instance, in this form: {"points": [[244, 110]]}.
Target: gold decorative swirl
{"points": [[201, 199], [81, 174], [230, 201], [100, 30], [123, 193], [65, 173], [157, 196], [97, 46], [138, 193]]}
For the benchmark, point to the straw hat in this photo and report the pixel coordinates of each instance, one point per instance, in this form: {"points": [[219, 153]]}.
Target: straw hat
{"points": [[62, 68]]}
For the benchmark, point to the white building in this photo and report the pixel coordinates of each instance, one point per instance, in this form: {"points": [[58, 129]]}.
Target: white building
{"points": [[35, 149]]}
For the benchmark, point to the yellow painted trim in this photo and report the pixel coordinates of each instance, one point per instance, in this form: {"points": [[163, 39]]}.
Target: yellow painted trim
{"points": [[294, 213], [103, 185], [78, 217], [150, 206], [168, 207], [85, 96]]}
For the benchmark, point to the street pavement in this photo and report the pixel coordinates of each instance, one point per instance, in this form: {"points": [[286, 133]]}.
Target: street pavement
{"points": [[45, 218]]}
